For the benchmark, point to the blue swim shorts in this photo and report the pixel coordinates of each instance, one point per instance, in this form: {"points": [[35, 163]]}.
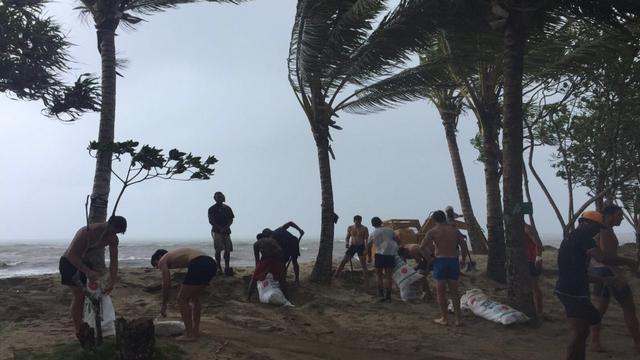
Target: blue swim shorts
{"points": [[446, 268]]}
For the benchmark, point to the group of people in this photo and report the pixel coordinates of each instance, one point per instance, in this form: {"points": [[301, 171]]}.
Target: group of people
{"points": [[589, 254], [442, 251]]}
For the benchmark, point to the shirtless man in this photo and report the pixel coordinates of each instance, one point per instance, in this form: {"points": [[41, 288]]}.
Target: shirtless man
{"points": [[608, 244], [200, 269], [355, 242], [269, 258], [421, 257], [73, 263], [289, 244], [445, 239]]}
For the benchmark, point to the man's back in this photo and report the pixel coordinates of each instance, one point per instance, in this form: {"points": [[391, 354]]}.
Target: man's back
{"points": [[180, 258], [384, 240], [445, 239]]}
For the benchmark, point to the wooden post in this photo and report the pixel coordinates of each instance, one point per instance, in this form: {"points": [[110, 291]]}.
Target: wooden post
{"points": [[135, 339]]}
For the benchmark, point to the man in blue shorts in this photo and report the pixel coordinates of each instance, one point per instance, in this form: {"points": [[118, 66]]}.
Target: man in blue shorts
{"points": [[445, 240]]}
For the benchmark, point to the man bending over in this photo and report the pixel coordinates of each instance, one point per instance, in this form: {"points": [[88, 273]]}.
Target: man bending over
{"points": [[74, 264], [200, 269]]}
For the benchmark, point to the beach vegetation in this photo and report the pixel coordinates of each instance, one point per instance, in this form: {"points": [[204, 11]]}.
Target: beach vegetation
{"points": [[34, 61]]}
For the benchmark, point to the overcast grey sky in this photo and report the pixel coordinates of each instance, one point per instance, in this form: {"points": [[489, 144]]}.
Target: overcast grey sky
{"points": [[212, 79]]}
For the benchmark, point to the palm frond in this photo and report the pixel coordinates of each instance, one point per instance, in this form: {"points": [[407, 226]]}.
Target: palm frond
{"points": [[408, 29], [425, 81], [354, 20], [148, 7]]}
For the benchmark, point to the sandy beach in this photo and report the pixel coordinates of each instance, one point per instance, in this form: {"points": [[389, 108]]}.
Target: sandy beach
{"points": [[341, 321]]}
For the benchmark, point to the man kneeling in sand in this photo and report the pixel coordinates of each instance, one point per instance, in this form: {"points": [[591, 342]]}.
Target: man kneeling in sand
{"points": [[445, 239], [200, 269], [74, 263]]}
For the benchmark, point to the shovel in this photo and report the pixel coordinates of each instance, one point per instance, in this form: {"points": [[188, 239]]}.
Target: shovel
{"points": [[471, 265]]}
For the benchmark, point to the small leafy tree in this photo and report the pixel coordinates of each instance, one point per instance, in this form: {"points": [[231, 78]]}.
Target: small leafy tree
{"points": [[148, 162], [33, 56]]}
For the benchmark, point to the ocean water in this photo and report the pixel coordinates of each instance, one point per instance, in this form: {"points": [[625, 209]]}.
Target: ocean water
{"points": [[33, 258]]}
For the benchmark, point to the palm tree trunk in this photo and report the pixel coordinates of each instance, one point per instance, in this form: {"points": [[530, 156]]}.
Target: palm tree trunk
{"points": [[102, 177], [495, 227], [518, 279], [476, 237], [322, 268]]}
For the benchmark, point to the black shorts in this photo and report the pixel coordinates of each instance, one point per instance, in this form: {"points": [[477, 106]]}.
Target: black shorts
{"points": [[200, 271], [534, 271], [603, 291], [291, 251], [580, 308], [68, 271], [384, 261], [355, 249], [290, 245]]}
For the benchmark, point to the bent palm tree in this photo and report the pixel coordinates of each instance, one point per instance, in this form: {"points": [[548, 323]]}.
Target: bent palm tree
{"points": [[107, 16], [333, 46], [432, 80]]}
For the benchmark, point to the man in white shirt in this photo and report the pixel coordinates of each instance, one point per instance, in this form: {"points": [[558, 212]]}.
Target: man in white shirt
{"points": [[387, 244]]}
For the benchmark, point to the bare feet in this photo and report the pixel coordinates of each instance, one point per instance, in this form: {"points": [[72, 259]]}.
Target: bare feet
{"points": [[441, 321]]}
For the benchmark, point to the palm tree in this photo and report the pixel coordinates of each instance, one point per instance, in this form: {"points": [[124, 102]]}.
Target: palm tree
{"points": [[431, 80], [107, 16], [517, 20], [34, 55], [333, 46]]}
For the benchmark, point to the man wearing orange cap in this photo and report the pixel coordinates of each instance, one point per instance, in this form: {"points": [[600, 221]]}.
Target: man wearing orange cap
{"points": [[572, 288], [608, 243]]}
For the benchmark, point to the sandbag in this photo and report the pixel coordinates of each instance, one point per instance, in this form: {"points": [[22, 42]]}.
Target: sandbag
{"points": [[269, 292], [107, 312], [407, 280], [480, 304], [168, 327]]}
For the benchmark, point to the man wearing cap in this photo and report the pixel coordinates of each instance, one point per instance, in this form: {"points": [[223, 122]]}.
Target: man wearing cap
{"points": [[572, 288], [608, 243]]}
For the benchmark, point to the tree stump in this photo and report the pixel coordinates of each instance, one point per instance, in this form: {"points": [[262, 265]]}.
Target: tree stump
{"points": [[135, 339]]}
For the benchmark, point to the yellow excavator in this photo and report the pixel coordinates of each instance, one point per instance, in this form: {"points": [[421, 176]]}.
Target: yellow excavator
{"points": [[404, 229]]}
